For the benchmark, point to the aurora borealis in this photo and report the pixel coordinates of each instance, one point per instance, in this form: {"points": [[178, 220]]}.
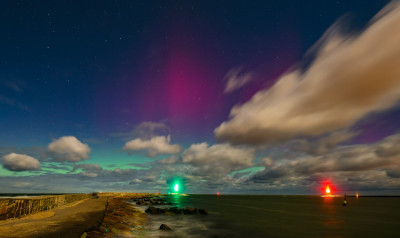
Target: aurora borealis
{"points": [[260, 97]]}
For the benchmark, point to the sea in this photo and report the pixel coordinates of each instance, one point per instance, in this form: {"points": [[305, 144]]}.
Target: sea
{"points": [[279, 216]]}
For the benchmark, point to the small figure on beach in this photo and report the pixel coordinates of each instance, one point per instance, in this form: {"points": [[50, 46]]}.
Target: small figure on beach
{"points": [[344, 200]]}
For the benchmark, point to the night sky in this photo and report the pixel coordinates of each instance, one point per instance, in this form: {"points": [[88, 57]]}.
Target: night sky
{"points": [[260, 97]]}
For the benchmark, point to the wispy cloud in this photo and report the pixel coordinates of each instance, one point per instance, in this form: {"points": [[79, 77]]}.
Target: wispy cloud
{"points": [[16, 85], [236, 78], [145, 130], [13, 102]]}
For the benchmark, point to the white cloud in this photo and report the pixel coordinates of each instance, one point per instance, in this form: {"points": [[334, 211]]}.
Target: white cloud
{"points": [[169, 160], [69, 149], [236, 79], [155, 146], [349, 78], [217, 160], [20, 162]]}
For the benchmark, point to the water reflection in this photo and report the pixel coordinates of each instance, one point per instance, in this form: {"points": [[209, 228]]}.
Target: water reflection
{"points": [[176, 200], [332, 220]]}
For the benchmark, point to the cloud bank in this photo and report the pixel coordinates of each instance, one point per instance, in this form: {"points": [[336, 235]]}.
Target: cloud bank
{"points": [[350, 77], [372, 169], [383, 156]]}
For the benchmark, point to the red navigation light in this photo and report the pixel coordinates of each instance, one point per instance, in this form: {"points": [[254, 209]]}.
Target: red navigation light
{"points": [[328, 190], [218, 193]]}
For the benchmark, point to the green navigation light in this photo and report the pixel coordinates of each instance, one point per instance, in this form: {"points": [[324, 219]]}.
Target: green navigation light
{"points": [[176, 187]]}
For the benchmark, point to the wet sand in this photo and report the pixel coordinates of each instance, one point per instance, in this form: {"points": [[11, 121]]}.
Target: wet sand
{"points": [[68, 221]]}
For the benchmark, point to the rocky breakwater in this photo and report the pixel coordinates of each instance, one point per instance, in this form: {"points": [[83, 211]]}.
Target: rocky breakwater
{"points": [[177, 211], [149, 201], [164, 209], [152, 201], [18, 207]]}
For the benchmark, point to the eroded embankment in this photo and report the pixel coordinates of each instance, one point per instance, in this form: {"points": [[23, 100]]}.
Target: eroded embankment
{"points": [[18, 207]]}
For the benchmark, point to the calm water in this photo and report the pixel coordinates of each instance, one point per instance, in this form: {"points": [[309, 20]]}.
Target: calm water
{"points": [[281, 216]]}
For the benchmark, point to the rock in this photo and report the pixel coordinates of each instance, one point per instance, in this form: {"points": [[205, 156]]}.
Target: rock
{"points": [[154, 210], [190, 211], [164, 227], [203, 211], [143, 203], [151, 210], [175, 210]]}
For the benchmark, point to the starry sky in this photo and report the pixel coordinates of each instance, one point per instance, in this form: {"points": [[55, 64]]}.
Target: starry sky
{"points": [[260, 97]]}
